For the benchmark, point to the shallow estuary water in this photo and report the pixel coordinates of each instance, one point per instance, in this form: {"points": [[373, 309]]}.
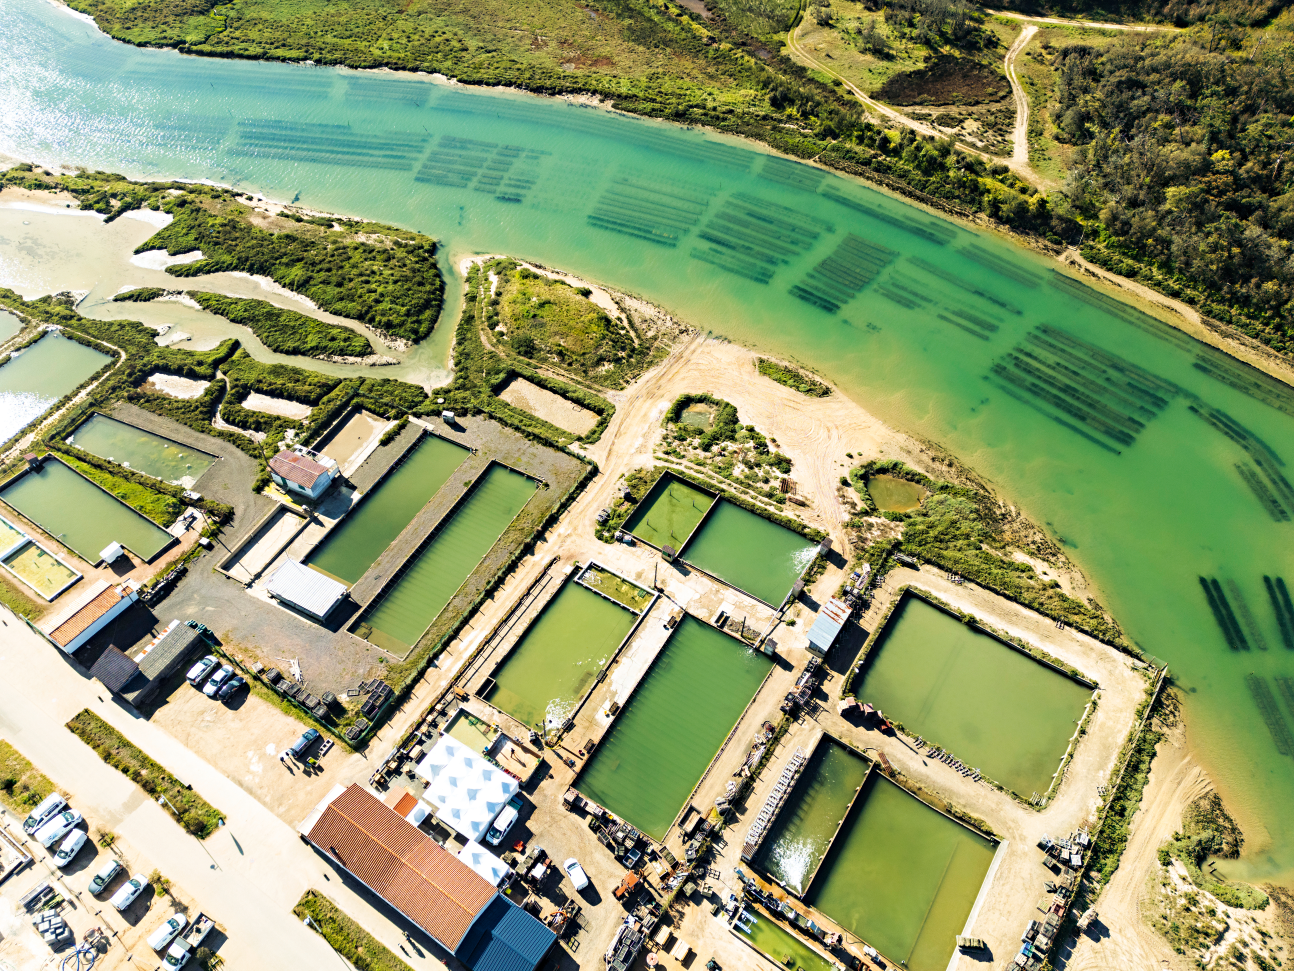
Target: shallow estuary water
{"points": [[1152, 459]]}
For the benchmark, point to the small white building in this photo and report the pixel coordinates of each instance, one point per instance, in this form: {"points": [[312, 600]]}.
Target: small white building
{"points": [[303, 471], [305, 589], [70, 628]]}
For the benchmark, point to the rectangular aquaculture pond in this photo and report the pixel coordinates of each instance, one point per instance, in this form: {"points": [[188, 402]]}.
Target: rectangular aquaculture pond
{"points": [[750, 552], [39, 375], [902, 876], [812, 814], [41, 570], [671, 727], [142, 451], [10, 536], [778, 944], [991, 706], [669, 513], [424, 585], [80, 515], [559, 656], [471, 731], [357, 541]]}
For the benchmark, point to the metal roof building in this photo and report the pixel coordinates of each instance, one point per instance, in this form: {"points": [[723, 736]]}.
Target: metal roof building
{"points": [[826, 628], [114, 670], [463, 912], [305, 589], [159, 660]]}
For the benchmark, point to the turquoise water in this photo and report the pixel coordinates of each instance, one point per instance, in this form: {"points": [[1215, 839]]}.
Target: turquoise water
{"points": [[80, 515], [39, 375], [140, 450], [352, 547], [1146, 494], [992, 707], [406, 608], [750, 552], [676, 719], [9, 325]]}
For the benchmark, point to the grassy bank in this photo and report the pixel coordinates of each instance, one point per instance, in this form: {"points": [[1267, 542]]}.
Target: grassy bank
{"points": [[286, 331], [22, 785], [13, 597], [347, 938], [193, 812], [157, 506]]}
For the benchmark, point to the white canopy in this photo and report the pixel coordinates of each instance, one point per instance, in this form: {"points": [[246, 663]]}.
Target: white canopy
{"points": [[483, 862], [467, 790]]}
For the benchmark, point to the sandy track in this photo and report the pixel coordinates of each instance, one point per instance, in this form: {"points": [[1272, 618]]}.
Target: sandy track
{"points": [[1127, 943], [1020, 135]]}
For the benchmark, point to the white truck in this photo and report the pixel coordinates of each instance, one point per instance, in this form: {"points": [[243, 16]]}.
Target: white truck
{"points": [[179, 953]]}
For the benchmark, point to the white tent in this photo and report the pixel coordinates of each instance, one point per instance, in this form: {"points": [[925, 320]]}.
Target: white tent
{"points": [[483, 862], [467, 790]]}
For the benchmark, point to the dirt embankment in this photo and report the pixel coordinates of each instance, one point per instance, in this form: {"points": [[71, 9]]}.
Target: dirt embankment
{"points": [[946, 81]]}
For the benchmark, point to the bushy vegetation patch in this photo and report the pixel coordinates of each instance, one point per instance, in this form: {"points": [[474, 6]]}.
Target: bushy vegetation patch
{"points": [[139, 295], [382, 276], [193, 812], [965, 531], [286, 331], [792, 377], [22, 785], [1209, 831], [157, 506]]}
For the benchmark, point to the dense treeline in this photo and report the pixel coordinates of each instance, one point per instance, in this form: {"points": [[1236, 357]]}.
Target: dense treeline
{"points": [[1182, 173]]}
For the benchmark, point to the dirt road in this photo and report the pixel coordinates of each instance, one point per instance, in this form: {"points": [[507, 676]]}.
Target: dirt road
{"points": [[1095, 25], [1020, 135]]}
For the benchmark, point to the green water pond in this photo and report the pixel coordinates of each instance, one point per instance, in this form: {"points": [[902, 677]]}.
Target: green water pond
{"points": [[357, 541], [39, 375], [142, 451], [406, 608], [559, 656], [750, 552], [673, 724], [993, 707], [669, 513], [82, 516]]}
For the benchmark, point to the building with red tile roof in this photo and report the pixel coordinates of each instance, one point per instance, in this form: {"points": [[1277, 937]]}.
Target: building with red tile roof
{"points": [[83, 617]]}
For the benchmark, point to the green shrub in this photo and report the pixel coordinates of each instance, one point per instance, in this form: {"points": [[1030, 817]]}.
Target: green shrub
{"points": [[286, 331]]}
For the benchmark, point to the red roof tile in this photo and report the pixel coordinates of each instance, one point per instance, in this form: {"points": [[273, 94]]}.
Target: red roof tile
{"points": [[407, 868], [297, 468], [68, 631]]}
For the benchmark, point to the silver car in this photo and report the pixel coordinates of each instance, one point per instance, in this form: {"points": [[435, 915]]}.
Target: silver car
{"points": [[218, 679], [199, 671], [99, 882]]}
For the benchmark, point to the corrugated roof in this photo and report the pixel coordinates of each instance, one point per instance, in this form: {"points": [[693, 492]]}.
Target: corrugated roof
{"points": [[305, 588], [505, 938], [831, 618], [77, 624], [114, 670], [402, 864], [172, 646], [297, 468]]}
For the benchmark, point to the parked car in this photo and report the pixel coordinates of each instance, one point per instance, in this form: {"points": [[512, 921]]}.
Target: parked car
{"points": [[58, 827], [217, 680], [99, 882], [576, 873], [161, 938], [184, 948], [47, 808], [504, 821], [199, 671], [302, 744], [230, 686], [70, 847], [128, 891]]}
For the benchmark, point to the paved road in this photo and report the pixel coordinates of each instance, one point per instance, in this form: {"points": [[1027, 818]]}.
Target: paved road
{"points": [[248, 875]]}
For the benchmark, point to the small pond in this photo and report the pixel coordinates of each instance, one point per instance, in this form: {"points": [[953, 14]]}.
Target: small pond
{"points": [[669, 513], [892, 494], [698, 415]]}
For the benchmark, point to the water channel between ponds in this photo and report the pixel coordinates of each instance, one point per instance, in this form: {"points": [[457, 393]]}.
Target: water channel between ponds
{"points": [[359, 539], [80, 515], [407, 606], [993, 707], [39, 375], [935, 340], [559, 656], [902, 876], [750, 552], [140, 450], [672, 725]]}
